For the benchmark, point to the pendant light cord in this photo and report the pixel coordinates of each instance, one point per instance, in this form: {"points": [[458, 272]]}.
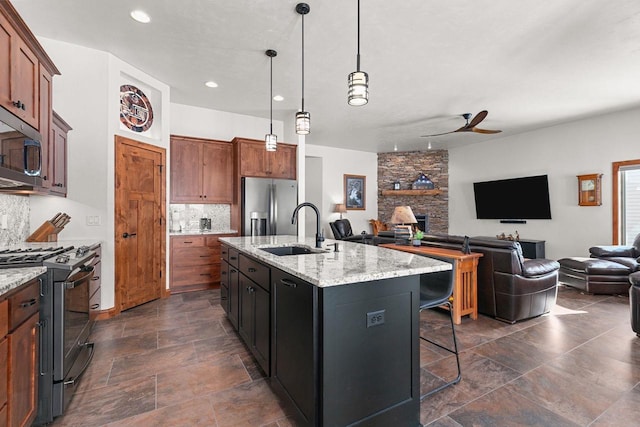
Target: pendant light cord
{"points": [[271, 99], [303, 62], [358, 56]]}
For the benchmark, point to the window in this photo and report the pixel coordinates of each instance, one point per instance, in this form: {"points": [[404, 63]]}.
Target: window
{"points": [[626, 201]]}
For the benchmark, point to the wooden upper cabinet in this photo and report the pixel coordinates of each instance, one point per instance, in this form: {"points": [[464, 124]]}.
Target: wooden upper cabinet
{"points": [[201, 171], [255, 161], [45, 127], [217, 172], [19, 74], [283, 161], [58, 155], [21, 59]]}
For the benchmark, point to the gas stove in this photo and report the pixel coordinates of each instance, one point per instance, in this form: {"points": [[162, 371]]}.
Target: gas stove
{"points": [[59, 257]]}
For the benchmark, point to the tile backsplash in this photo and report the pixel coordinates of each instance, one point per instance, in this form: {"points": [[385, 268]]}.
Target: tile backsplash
{"points": [[16, 211], [187, 217]]}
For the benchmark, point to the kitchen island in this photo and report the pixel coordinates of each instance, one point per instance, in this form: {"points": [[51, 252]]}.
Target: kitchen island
{"points": [[337, 331]]}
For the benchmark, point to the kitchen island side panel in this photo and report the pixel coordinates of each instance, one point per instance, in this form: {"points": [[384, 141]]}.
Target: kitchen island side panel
{"points": [[370, 353]]}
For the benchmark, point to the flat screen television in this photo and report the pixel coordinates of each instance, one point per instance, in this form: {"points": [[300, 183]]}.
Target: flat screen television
{"points": [[513, 199]]}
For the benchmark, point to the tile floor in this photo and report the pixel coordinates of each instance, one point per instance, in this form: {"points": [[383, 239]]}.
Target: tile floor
{"points": [[177, 362]]}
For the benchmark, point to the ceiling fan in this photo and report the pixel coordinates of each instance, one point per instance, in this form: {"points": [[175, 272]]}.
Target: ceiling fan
{"points": [[470, 126]]}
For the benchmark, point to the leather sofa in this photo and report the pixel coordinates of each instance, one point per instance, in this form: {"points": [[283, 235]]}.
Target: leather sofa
{"points": [[634, 301], [510, 287]]}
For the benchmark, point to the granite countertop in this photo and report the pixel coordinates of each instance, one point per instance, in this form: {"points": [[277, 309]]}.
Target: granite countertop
{"points": [[353, 263], [200, 232], [74, 242], [11, 278]]}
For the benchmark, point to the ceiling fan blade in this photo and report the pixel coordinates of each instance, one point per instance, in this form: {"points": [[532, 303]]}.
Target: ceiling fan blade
{"points": [[462, 129], [478, 118], [485, 130]]}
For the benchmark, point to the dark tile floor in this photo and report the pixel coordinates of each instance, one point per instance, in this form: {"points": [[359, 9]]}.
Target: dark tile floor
{"points": [[177, 362]]}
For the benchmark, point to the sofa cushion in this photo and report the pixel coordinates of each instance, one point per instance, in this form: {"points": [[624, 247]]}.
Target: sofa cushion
{"points": [[612, 251], [538, 267], [596, 266]]}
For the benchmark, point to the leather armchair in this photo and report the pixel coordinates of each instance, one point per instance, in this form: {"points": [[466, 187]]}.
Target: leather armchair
{"points": [[634, 301], [342, 230]]}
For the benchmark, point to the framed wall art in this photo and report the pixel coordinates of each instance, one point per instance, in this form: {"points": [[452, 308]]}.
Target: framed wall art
{"points": [[355, 191]]}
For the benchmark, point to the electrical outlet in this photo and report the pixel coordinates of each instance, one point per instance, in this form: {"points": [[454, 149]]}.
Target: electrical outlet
{"points": [[93, 220], [375, 318]]}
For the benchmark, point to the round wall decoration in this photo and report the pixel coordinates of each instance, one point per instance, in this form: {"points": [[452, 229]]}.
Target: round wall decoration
{"points": [[135, 109]]}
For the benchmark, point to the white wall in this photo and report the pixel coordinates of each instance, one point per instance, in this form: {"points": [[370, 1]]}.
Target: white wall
{"points": [[204, 123], [337, 162], [87, 96], [561, 152]]}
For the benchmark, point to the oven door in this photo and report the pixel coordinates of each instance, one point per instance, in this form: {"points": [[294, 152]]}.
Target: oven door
{"points": [[73, 351]]}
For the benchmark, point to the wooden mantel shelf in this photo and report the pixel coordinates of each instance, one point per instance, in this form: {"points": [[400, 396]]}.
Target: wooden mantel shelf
{"points": [[411, 192]]}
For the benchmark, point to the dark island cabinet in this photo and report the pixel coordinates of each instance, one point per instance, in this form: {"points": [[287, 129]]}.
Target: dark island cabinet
{"points": [[229, 285], [294, 334], [254, 322], [342, 355]]}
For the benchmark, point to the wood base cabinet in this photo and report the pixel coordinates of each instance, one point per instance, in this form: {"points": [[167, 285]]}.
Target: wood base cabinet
{"points": [[22, 350], [195, 262]]}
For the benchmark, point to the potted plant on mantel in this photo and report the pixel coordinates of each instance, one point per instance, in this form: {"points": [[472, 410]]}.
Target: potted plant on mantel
{"points": [[417, 237]]}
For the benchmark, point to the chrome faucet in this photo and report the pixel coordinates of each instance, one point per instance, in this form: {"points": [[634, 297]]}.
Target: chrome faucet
{"points": [[294, 217]]}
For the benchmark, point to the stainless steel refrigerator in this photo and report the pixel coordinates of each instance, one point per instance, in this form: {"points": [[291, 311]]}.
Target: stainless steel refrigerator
{"points": [[267, 206]]}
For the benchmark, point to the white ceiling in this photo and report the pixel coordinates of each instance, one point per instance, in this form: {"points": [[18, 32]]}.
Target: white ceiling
{"points": [[530, 63]]}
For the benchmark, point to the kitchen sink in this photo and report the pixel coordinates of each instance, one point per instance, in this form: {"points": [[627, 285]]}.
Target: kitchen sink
{"points": [[293, 250]]}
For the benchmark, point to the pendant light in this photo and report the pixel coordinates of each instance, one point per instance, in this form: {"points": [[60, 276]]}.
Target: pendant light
{"points": [[271, 140], [358, 80], [303, 118]]}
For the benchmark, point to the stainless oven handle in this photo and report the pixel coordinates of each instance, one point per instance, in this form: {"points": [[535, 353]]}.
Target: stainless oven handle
{"points": [[88, 269], [71, 381], [42, 324]]}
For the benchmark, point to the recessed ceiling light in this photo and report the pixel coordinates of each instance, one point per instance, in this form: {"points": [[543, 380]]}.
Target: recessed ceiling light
{"points": [[211, 84], [140, 16], [278, 98]]}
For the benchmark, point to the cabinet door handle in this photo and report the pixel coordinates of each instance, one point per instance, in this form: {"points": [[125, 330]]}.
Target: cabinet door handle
{"points": [[233, 257], [94, 278], [187, 242], [94, 306], [233, 271], [205, 274], [204, 256], [250, 289], [289, 283], [252, 270], [29, 303], [224, 273]]}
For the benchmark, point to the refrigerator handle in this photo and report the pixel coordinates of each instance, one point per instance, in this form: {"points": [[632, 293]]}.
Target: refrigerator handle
{"points": [[273, 215]]}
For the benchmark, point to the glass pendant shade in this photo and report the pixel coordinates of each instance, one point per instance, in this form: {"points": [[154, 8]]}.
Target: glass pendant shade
{"points": [[303, 122], [270, 142], [358, 88]]}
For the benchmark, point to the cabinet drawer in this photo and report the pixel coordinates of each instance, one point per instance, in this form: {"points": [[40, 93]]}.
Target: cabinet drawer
{"points": [[24, 303], [187, 241], [233, 257], [255, 271], [4, 319], [183, 257], [224, 253], [182, 276], [212, 241]]}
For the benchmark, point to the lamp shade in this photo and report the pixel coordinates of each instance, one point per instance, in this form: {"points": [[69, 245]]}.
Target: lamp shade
{"points": [[340, 207], [403, 215]]}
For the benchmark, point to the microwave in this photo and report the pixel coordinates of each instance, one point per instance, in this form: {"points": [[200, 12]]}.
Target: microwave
{"points": [[20, 153]]}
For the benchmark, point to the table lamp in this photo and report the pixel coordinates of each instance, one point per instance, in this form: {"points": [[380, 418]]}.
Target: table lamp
{"points": [[341, 208], [403, 215]]}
